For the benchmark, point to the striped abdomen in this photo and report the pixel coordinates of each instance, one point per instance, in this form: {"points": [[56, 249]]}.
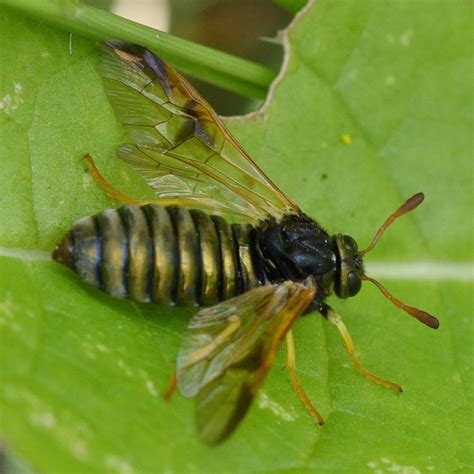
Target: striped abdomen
{"points": [[165, 255]]}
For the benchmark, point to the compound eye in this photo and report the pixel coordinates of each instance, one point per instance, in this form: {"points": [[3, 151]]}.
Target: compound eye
{"points": [[350, 244], [353, 283]]}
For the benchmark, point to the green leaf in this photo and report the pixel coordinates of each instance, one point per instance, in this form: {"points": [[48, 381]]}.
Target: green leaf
{"points": [[82, 374]]}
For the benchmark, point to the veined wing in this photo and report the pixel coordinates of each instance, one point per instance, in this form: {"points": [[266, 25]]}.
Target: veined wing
{"points": [[179, 144], [229, 349]]}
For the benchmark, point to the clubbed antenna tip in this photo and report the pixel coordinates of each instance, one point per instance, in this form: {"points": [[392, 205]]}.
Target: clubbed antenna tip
{"points": [[419, 314], [407, 206]]}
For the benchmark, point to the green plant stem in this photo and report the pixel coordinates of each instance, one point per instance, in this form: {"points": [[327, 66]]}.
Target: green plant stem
{"points": [[292, 6], [213, 66]]}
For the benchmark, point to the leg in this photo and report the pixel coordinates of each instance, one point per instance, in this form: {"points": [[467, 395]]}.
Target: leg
{"points": [[106, 186], [171, 387], [291, 365], [335, 319], [119, 196]]}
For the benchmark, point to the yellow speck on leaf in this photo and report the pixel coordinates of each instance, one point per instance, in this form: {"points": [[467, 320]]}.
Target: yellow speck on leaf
{"points": [[346, 139]]}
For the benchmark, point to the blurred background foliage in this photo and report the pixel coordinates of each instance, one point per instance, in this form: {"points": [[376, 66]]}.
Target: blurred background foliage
{"points": [[217, 23]]}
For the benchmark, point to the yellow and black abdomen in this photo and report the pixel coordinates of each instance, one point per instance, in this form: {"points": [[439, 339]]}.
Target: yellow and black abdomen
{"points": [[165, 255]]}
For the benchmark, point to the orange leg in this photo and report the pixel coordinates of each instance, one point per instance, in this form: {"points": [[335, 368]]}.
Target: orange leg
{"points": [[291, 365], [171, 387], [119, 196], [106, 186], [335, 319]]}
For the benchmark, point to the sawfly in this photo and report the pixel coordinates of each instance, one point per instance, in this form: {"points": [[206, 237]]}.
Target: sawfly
{"points": [[218, 234]]}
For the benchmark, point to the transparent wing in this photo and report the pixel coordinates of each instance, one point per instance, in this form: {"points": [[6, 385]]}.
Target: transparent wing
{"points": [[229, 349], [179, 144]]}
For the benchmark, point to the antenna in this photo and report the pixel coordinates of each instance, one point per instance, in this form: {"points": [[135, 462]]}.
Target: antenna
{"points": [[422, 316], [408, 206]]}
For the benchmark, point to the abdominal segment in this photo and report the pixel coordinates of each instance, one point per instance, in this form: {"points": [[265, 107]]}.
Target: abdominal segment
{"points": [[165, 255]]}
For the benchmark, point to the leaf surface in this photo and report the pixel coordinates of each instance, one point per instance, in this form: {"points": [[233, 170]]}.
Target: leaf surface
{"points": [[82, 374]]}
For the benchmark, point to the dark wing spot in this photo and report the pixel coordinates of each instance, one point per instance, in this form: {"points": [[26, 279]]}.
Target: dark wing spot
{"points": [[201, 133], [184, 132], [159, 69]]}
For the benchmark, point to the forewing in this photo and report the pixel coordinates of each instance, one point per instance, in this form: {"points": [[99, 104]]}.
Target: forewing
{"points": [[229, 349], [179, 144]]}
